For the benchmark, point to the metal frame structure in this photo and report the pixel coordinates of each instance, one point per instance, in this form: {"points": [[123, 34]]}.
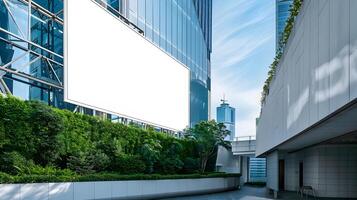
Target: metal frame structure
{"points": [[22, 38], [6, 68]]}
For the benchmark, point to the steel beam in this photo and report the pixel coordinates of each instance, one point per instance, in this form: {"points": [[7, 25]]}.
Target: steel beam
{"points": [[30, 77]]}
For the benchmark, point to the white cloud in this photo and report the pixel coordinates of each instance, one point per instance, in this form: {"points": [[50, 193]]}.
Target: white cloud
{"points": [[246, 102], [240, 30]]}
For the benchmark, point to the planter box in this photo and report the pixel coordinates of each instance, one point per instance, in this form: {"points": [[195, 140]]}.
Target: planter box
{"points": [[141, 189]]}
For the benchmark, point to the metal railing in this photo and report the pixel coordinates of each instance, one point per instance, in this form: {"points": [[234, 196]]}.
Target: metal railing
{"points": [[246, 144], [245, 138]]}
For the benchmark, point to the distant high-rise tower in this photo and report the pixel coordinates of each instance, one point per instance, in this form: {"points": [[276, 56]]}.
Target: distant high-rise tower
{"points": [[282, 14], [226, 115]]}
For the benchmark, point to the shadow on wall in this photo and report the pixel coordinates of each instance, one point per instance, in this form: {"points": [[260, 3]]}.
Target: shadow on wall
{"points": [[39, 191], [336, 70]]}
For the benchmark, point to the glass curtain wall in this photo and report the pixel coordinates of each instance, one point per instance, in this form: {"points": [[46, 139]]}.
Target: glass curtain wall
{"points": [[182, 28], [282, 14], [31, 45]]}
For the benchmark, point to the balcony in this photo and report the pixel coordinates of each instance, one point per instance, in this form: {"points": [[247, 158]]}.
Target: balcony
{"points": [[244, 145]]}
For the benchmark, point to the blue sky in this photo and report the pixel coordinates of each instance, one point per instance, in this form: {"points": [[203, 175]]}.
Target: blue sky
{"points": [[243, 48]]}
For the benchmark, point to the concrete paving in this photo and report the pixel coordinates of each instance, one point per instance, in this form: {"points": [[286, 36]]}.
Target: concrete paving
{"points": [[245, 193]]}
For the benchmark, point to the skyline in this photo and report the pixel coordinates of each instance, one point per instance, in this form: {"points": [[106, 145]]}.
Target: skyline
{"points": [[237, 73]]}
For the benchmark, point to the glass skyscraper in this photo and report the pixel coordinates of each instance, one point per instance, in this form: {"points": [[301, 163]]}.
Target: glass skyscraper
{"points": [[282, 14], [31, 46], [226, 115]]}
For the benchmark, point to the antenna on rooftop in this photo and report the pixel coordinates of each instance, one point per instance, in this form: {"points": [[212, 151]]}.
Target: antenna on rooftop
{"points": [[224, 99]]}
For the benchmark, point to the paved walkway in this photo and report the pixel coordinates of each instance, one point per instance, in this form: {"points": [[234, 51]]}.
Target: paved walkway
{"points": [[246, 193]]}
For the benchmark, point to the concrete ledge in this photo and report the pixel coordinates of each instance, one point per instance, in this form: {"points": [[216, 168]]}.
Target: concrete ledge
{"points": [[141, 189]]}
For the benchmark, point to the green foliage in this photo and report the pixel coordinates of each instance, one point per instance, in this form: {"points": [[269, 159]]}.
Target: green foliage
{"points": [[170, 161], [208, 135], [14, 163], [294, 11], [48, 125], [6, 178], [49, 171], [191, 165], [150, 152], [3, 140], [38, 140], [256, 184], [128, 164], [15, 120]]}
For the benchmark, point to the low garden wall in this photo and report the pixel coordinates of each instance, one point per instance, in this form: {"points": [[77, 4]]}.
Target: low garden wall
{"points": [[132, 189]]}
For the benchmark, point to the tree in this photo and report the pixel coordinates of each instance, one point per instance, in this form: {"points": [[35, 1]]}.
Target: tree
{"points": [[48, 125], [170, 161], [150, 152], [209, 135]]}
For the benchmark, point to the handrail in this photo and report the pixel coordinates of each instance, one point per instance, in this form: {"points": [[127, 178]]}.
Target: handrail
{"points": [[245, 138]]}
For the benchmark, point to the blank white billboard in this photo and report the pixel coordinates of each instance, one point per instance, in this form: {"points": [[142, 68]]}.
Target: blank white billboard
{"points": [[111, 68]]}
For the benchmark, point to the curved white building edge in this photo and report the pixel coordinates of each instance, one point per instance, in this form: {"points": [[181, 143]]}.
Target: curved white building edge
{"points": [[144, 189]]}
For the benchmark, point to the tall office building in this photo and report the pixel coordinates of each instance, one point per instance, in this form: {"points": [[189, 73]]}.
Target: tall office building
{"points": [[282, 13], [226, 115], [31, 42]]}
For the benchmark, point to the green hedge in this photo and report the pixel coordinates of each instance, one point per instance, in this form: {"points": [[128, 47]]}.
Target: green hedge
{"points": [[6, 178], [34, 136]]}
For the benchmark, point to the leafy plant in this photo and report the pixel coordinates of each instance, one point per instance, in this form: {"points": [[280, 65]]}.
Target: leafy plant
{"points": [[14, 163], [150, 152], [170, 161], [294, 11], [6, 178], [34, 135], [191, 165], [48, 125], [128, 164], [209, 135]]}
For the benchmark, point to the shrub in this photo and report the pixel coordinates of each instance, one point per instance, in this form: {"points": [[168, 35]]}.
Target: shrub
{"points": [[81, 164], [49, 171], [48, 125], [170, 161], [150, 152], [100, 161], [34, 135], [15, 120], [191, 165], [14, 163], [6, 178], [128, 164]]}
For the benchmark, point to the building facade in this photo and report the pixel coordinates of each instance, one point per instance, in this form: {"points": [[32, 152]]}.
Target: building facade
{"points": [[241, 159], [307, 129], [257, 169], [31, 46], [282, 13], [226, 115]]}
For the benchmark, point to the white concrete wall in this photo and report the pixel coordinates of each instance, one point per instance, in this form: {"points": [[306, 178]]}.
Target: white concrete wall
{"points": [[115, 189], [330, 169], [317, 73], [245, 169], [227, 162], [273, 171]]}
